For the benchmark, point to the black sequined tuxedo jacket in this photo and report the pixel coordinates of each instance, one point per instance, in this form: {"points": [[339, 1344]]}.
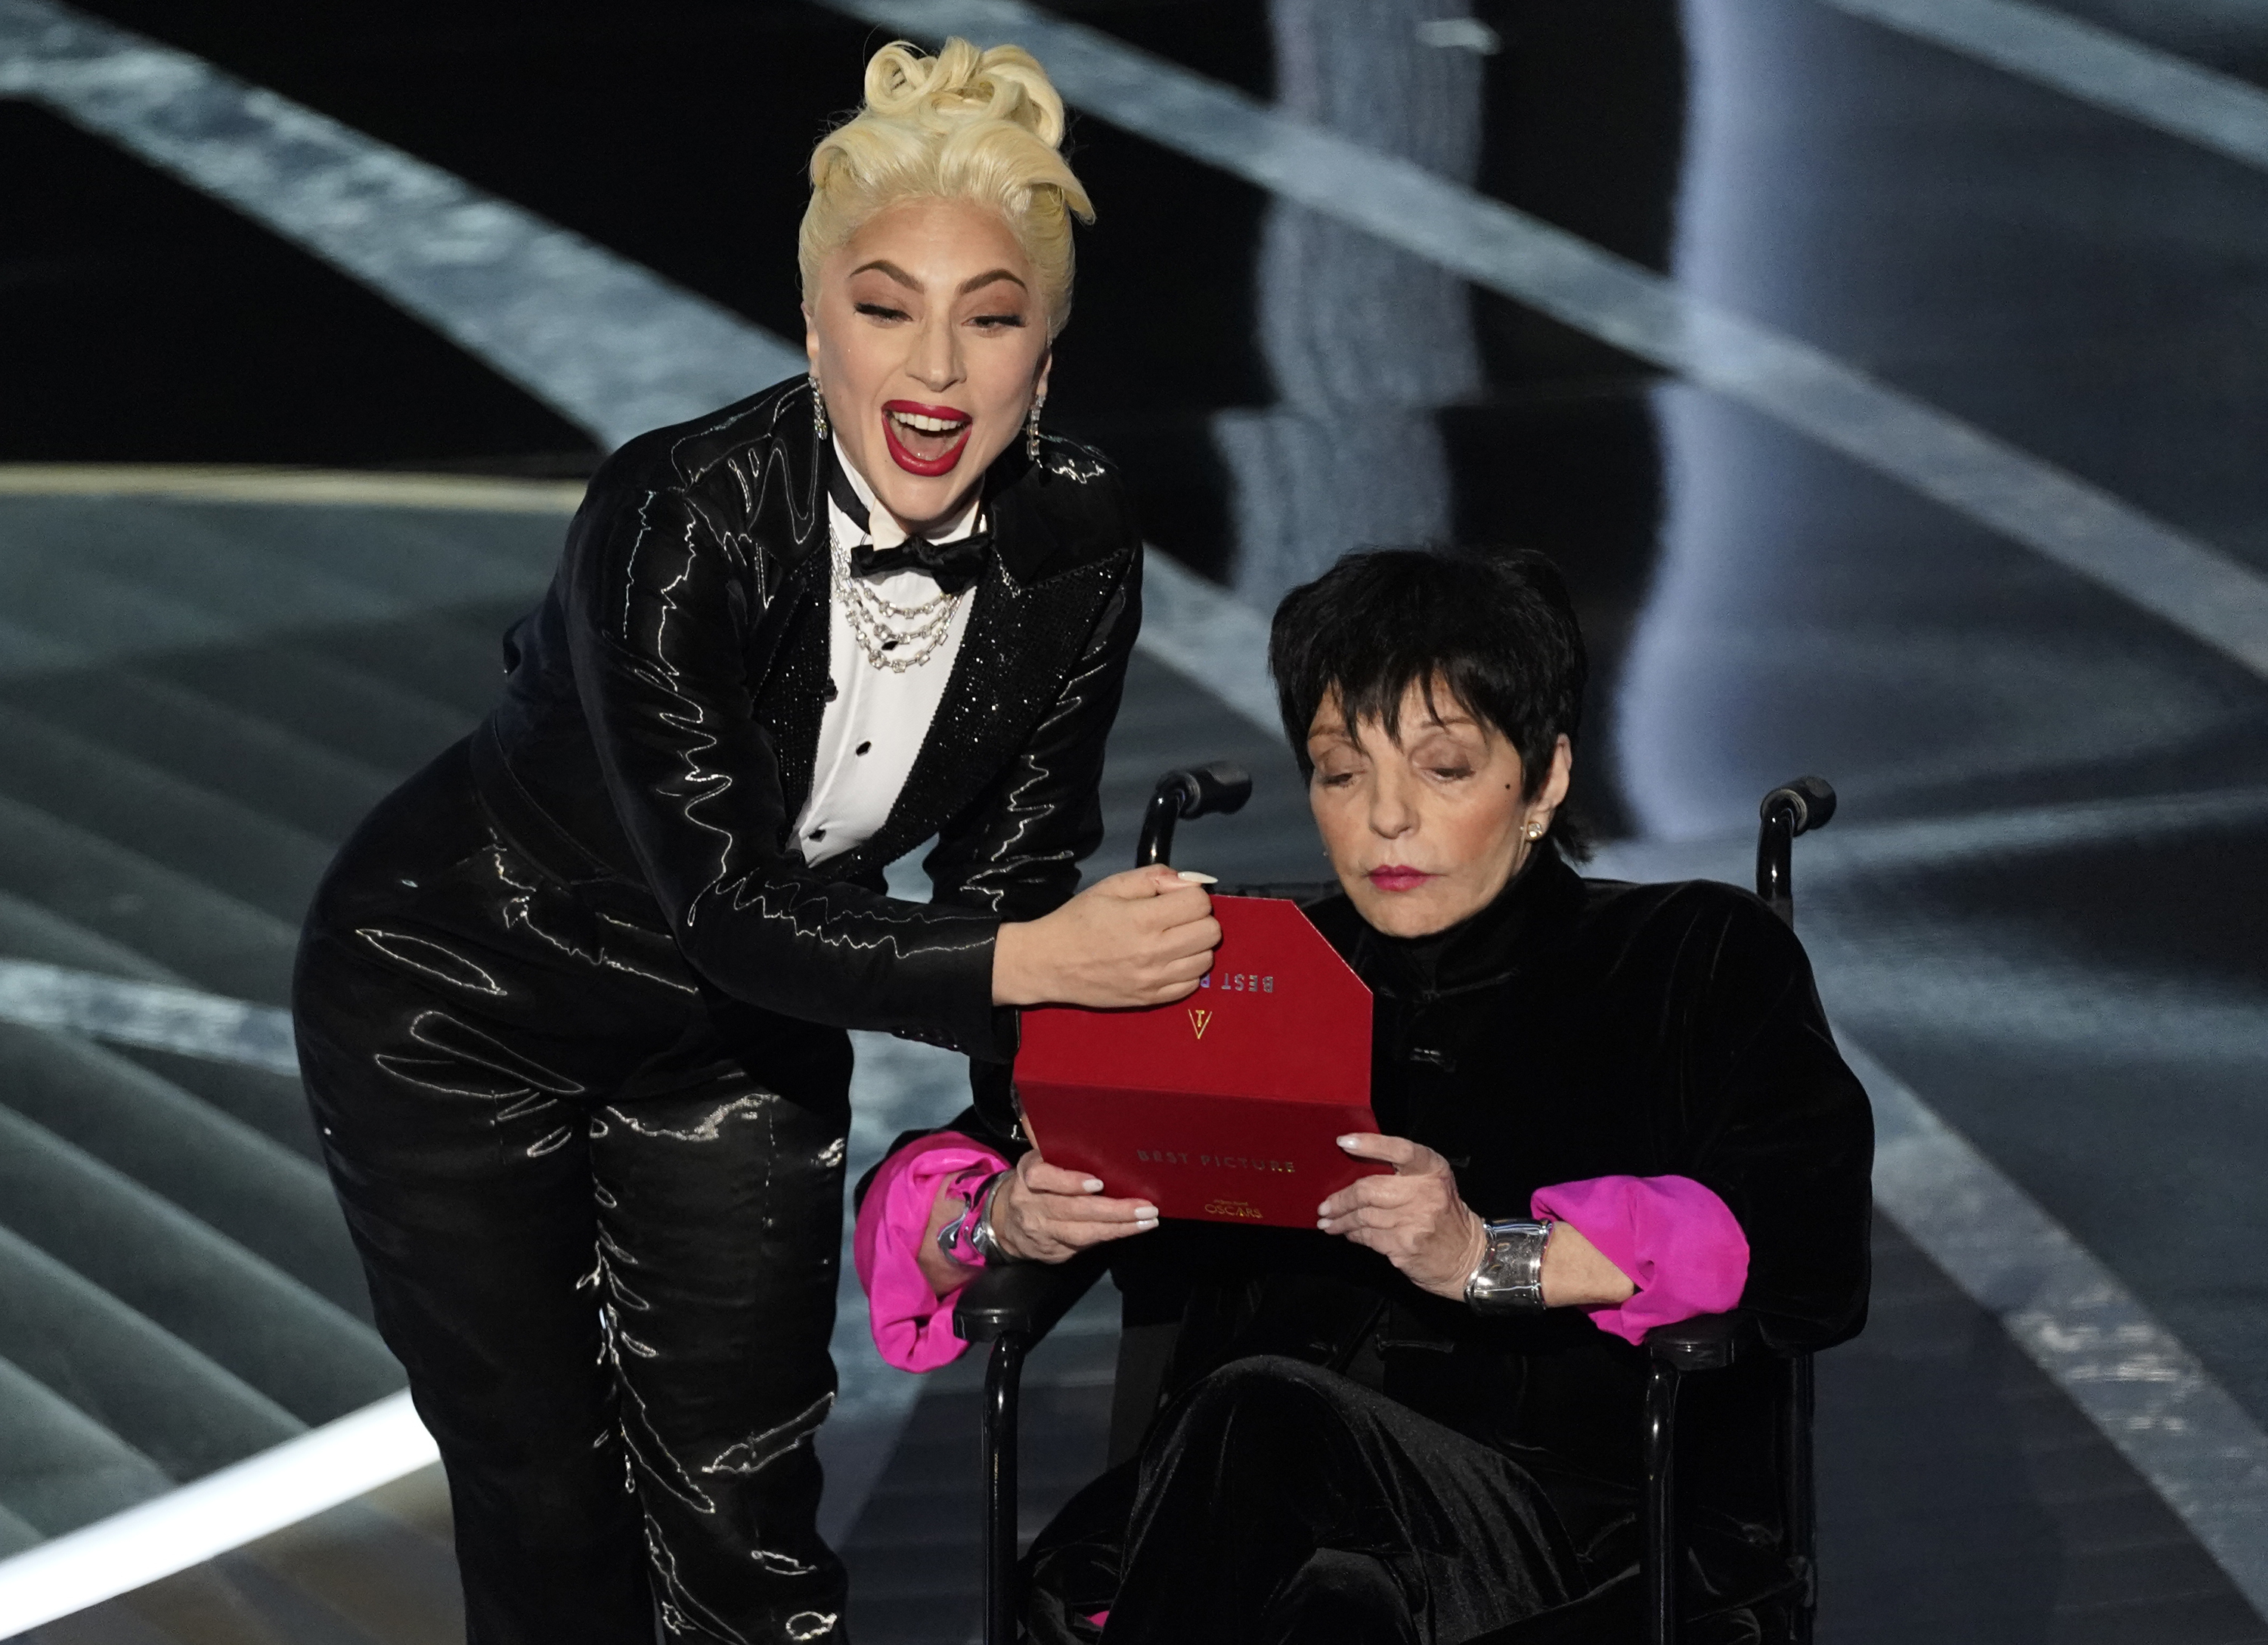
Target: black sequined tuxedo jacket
{"points": [[571, 1010]]}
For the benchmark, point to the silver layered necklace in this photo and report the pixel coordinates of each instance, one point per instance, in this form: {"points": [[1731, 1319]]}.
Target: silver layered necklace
{"points": [[893, 637]]}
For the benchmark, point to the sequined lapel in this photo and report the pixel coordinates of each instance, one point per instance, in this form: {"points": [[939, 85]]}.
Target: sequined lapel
{"points": [[1003, 679], [794, 693]]}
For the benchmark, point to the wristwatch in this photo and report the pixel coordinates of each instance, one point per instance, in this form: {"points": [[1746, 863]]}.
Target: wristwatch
{"points": [[1509, 1277], [968, 1239]]}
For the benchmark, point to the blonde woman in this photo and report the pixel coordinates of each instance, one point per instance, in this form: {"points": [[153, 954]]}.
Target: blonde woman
{"points": [[572, 1002]]}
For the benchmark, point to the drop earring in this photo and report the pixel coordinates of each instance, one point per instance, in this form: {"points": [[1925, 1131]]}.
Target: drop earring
{"points": [[818, 404], [1032, 429]]}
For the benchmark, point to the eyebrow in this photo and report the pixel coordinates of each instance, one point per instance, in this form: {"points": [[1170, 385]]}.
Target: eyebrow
{"points": [[891, 268], [1344, 734], [976, 282], [988, 278]]}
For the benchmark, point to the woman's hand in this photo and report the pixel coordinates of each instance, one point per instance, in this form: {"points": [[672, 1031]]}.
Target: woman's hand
{"points": [[1041, 1212], [1414, 1219], [1141, 938]]}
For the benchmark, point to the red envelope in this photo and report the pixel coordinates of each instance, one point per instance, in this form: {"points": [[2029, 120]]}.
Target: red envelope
{"points": [[1225, 1106]]}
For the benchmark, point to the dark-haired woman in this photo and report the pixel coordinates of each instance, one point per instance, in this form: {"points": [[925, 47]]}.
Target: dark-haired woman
{"points": [[1607, 1107]]}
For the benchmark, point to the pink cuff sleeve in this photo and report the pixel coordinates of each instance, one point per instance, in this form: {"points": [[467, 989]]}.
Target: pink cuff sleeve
{"points": [[912, 1324], [1674, 1239]]}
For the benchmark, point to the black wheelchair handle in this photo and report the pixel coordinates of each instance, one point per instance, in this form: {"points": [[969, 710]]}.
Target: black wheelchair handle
{"points": [[1811, 801], [1217, 787], [1788, 810], [1707, 1342], [1223, 787]]}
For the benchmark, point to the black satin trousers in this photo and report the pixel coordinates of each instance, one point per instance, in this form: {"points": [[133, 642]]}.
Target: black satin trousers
{"points": [[599, 1209], [1281, 1504]]}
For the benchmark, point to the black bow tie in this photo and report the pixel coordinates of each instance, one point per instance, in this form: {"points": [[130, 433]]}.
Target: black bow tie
{"points": [[955, 565]]}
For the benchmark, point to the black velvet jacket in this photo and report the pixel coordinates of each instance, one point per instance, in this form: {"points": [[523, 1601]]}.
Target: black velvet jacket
{"points": [[1574, 1029], [657, 738]]}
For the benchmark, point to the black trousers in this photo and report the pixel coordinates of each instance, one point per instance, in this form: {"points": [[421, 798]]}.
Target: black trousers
{"points": [[1280, 1504], [599, 1209]]}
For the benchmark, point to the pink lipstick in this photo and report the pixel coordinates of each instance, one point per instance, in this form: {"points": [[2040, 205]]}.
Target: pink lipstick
{"points": [[1396, 877]]}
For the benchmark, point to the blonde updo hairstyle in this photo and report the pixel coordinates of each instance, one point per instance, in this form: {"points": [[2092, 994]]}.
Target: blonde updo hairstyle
{"points": [[980, 126]]}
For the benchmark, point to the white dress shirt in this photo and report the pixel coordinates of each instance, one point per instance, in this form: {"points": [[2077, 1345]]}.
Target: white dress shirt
{"points": [[870, 733]]}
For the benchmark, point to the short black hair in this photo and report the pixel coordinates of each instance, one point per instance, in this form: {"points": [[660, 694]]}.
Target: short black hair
{"points": [[1495, 629]]}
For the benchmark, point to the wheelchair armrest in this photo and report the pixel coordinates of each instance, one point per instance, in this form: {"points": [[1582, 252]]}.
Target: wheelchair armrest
{"points": [[1025, 1298], [1707, 1342]]}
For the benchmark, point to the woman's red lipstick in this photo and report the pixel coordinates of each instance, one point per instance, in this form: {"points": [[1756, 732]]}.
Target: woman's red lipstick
{"points": [[1395, 877], [939, 462]]}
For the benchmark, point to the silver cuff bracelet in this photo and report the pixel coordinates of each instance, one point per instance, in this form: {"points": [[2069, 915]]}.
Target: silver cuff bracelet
{"points": [[981, 1237], [968, 1239], [1509, 1279]]}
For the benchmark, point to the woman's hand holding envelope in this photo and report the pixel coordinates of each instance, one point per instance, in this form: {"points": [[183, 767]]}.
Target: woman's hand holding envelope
{"points": [[1140, 938], [1040, 1212]]}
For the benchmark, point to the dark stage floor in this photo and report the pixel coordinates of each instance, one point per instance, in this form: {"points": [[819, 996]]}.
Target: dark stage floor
{"points": [[2039, 909]]}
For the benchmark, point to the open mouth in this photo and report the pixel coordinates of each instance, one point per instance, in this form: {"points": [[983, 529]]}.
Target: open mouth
{"points": [[924, 439]]}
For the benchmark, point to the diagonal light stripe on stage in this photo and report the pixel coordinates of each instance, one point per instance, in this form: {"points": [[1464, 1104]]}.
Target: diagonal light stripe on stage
{"points": [[223, 1511], [2092, 64], [2135, 1380], [156, 1015], [609, 345]]}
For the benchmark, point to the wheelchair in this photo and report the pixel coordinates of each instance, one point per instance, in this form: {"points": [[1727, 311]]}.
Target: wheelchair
{"points": [[1012, 1308]]}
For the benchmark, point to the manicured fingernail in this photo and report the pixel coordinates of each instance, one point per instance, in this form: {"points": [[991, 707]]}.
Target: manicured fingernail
{"points": [[1145, 1225], [1146, 1213], [1347, 1142], [1092, 1185], [1194, 878]]}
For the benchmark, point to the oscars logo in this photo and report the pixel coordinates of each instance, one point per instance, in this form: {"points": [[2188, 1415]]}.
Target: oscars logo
{"points": [[1200, 1021]]}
